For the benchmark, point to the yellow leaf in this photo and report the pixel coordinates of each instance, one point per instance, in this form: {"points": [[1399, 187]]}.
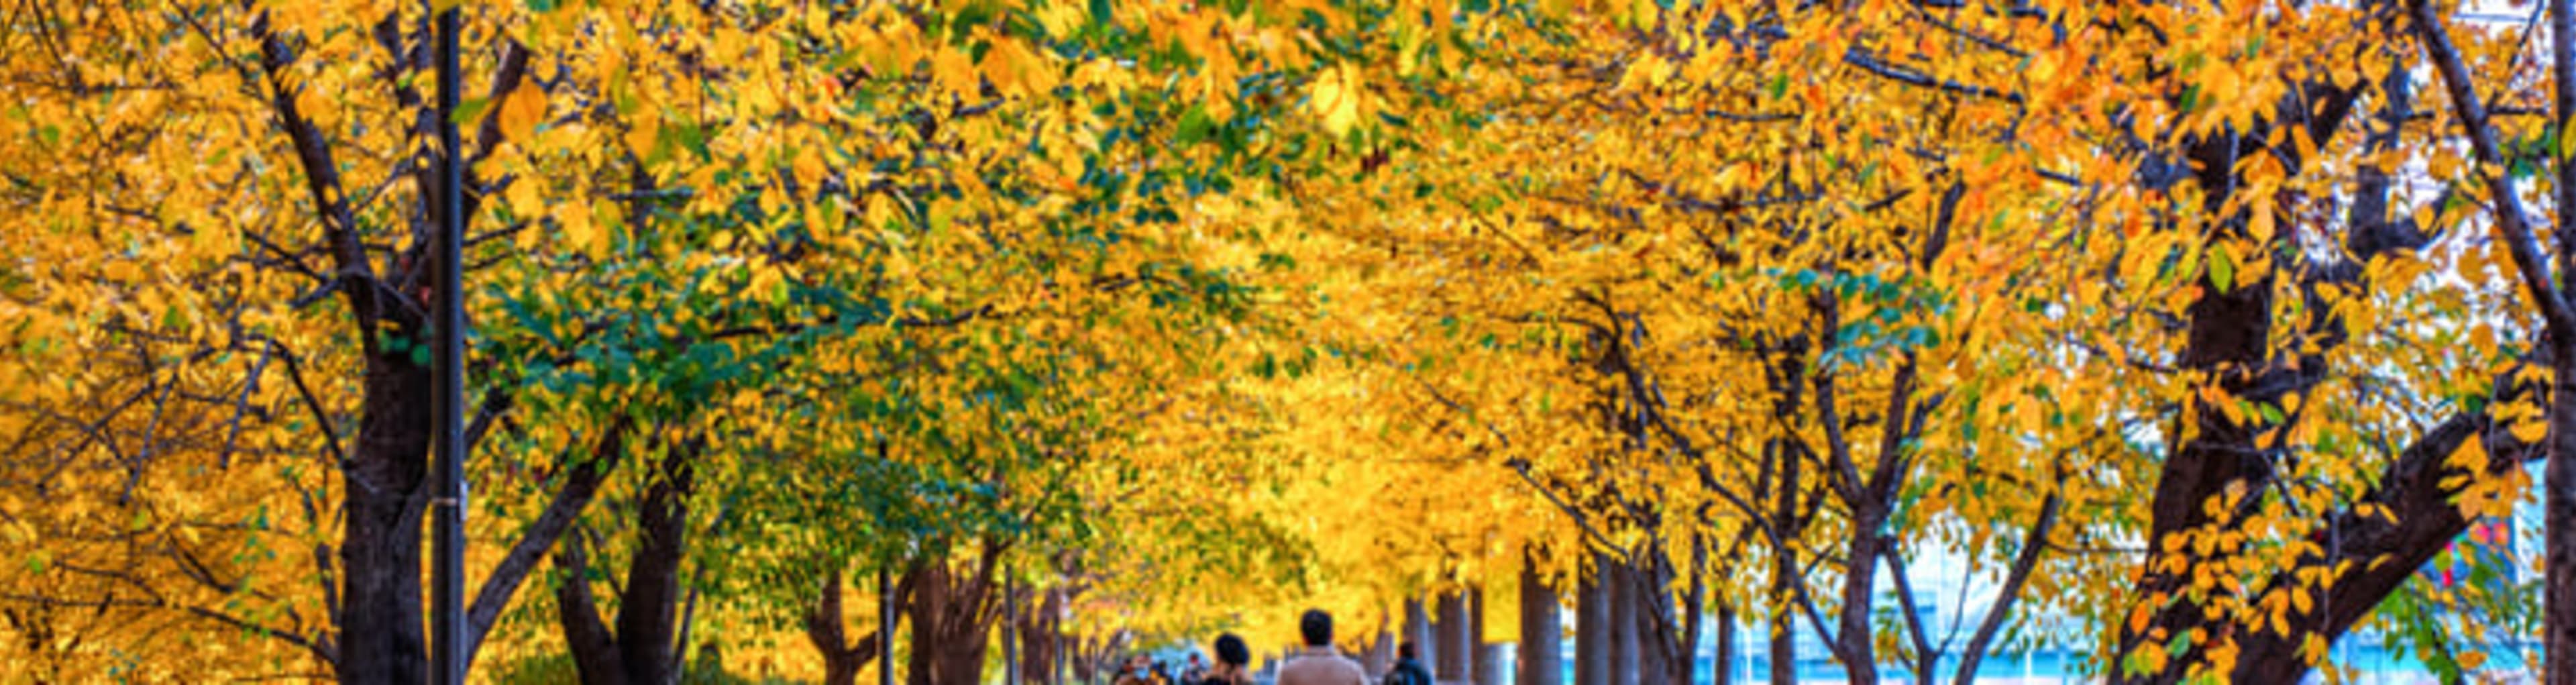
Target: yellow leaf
{"points": [[579, 233], [1336, 98], [2566, 142], [642, 132], [2472, 452], [955, 72], [808, 166], [522, 110]]}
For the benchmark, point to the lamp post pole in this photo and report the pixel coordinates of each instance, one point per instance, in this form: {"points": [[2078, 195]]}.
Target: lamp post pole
{"points": [[447, 505]]}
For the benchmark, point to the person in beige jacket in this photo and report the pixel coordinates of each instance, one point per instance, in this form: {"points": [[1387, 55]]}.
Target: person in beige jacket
{"points": [[1320, 664]]}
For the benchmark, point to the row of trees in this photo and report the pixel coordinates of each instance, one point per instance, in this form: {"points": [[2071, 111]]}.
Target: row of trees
{"points": [[2204, 325]]}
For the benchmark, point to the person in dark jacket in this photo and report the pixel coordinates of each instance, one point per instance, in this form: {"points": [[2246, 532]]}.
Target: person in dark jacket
{"points": [[1408, 668], [1233, 663]]}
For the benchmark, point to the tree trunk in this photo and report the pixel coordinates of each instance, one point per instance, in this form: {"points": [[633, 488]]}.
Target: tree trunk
{"points": [[842, 659], [1542, 657], [380, 631], [2558, 478], [1456, 648], [1489, 665], [1380, 654], [1037, 630], [1854, 643], [1419, 630], [643, 645], [1784, 642], [593, 647], [648, 609], [1784, 515], [952, 618], [2228, 344], [1662, 648], [1723, 672], [1623, 626], [1592, 625]]}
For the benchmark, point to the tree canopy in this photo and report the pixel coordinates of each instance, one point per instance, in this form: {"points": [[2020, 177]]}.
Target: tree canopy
{"points": [[2198, 331]]}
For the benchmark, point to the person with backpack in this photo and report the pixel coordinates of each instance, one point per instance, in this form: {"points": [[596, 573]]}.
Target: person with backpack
{"points": [[1195, 671], [1408, 668], [1233, 663]]}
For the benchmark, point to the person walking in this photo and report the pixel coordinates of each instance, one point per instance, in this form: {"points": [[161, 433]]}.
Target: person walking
{"points": [[1233, 663], [1408, 667], [1320, 664], [1132, 672]]}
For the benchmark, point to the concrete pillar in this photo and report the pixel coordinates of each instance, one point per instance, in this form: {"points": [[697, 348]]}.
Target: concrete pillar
{"points": [[1542, 657]]}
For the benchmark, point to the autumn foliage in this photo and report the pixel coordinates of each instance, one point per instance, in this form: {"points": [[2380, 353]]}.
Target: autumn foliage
{"points": [[2195, 330]]}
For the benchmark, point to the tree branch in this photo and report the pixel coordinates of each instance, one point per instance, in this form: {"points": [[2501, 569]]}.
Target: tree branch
{"points": [[2512, 224], [581, 485]]}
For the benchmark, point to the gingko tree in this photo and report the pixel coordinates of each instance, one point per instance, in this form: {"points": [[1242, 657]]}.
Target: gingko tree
{"points": [[2203, 325]]}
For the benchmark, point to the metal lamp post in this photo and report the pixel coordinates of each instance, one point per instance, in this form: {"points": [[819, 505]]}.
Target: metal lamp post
{"points": [[447, 506]]}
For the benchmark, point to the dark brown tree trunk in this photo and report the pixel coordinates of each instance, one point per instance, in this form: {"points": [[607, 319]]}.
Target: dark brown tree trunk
{"points": [[380, 630], [1853, 643], [1653, 668], [2558, 478], [1623, 625], [1456, 648], [1784, 514], [2228, 330], [648, 609], [952, 618], [841, 668], [641, 649], [1419, 630], [1784, 641], [1592, 625], [1037, 628], [1724, 671], [842, 659], [1380, 655], [1542, 656], [1666, 633], [593, 647]]}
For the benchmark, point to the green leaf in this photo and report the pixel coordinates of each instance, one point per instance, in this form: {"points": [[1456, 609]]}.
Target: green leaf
{"points": [[2222, 270], [469, 111], [1195, 126], [1102, 14]]}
